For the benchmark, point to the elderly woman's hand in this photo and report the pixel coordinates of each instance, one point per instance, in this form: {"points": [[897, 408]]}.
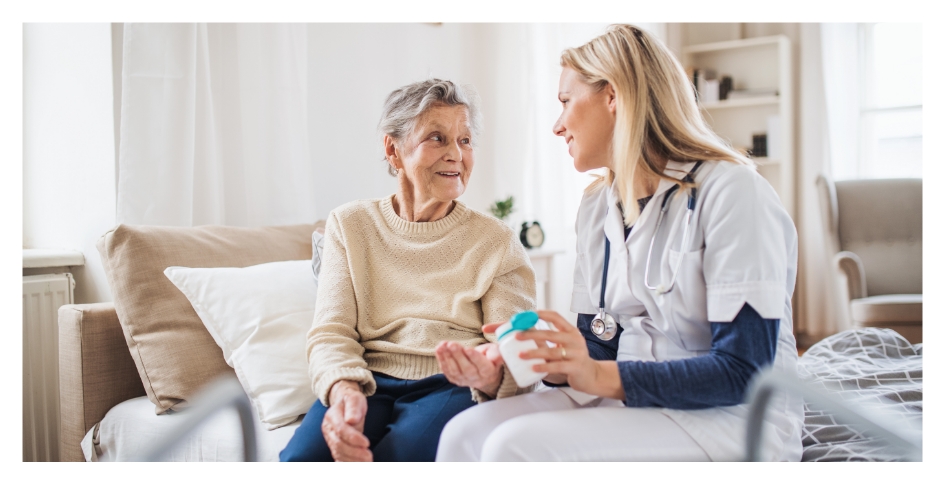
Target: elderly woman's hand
{"points": [[343, 425], [479, 368], [569, 358]]}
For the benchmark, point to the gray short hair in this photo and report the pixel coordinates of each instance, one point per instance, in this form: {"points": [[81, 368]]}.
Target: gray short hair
{"points": [[405, 105]]}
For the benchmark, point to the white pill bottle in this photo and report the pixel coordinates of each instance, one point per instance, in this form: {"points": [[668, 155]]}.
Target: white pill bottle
{"points": [[510, 347]]}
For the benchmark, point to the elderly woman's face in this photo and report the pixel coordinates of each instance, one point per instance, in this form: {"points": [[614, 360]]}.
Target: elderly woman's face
{"points": [[437, 158]]}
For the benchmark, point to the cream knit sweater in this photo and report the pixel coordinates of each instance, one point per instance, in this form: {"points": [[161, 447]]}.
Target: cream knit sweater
{"points": [[390, 290]]}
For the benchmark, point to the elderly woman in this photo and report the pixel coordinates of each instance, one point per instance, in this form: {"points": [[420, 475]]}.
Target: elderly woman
{"points": [[406, 284]]}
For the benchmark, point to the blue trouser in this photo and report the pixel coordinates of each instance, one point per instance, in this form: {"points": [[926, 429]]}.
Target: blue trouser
{"points": [[403, 423]]}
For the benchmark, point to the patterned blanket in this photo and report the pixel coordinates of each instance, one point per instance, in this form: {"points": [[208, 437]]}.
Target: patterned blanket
{"points": [[872, 368]]}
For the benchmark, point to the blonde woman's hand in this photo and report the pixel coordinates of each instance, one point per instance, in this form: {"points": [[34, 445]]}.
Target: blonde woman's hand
{"points": [[478, 368], [343, 425], [569, 358]]}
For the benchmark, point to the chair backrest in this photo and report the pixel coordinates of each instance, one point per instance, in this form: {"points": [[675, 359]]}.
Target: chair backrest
{"points": [[881, 221]]}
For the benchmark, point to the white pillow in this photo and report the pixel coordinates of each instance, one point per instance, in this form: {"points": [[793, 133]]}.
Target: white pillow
{"points": [[259, 316]]}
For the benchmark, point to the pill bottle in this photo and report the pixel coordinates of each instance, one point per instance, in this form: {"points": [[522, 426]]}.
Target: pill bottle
{"points": [[510, 347]]}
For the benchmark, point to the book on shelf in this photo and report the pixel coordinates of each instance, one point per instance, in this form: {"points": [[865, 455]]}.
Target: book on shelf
{"points": [[706, 84], [725, 87], [759, 145]]}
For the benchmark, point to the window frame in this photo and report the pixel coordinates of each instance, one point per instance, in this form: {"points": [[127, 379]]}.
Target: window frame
{"points": [[866, 157]]}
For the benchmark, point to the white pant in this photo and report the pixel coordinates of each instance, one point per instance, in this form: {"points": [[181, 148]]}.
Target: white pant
{"points": [[549, 426]]}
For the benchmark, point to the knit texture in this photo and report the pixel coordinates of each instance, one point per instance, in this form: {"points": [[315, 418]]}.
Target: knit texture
{"points": [[390, 290]]}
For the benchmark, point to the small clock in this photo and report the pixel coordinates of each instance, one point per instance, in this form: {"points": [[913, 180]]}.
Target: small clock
{"points": [[532, 236]]}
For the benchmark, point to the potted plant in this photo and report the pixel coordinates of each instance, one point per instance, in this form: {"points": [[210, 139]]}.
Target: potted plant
{"points": [[502, 208]]}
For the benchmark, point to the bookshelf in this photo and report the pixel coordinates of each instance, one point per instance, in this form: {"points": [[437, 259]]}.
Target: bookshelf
{"points": [[760, 64], [738, 103]]}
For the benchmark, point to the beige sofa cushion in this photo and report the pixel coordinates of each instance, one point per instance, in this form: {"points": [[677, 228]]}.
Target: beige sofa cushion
{"points": [[902, 313], [887, 308], [173, 352]]}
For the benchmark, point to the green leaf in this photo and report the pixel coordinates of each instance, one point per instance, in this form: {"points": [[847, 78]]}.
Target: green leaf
{"points": [[502, 208]]}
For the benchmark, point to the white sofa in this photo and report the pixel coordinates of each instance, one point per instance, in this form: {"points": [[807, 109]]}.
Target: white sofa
{"points": [[121, 385]]}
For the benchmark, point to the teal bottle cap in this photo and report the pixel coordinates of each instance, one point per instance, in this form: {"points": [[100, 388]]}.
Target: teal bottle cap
{"points": [[521, 321]]}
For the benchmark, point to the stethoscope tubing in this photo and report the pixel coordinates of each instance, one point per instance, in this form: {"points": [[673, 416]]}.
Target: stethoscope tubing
{"points": [[664, 207], [690, 208]]}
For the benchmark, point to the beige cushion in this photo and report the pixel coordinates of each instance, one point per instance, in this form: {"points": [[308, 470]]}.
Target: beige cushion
{"points": [[887, 308], [902, 313], [881, 221], [172, 350]]}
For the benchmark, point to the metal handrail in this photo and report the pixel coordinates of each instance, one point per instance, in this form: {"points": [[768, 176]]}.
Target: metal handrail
{"points": [[766, 382], [219, 395]]}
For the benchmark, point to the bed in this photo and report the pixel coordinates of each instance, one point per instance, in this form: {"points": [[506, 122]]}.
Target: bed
{"points": [[873, 369]]}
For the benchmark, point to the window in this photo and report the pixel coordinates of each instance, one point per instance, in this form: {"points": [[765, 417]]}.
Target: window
{"points": [[890, 119]]}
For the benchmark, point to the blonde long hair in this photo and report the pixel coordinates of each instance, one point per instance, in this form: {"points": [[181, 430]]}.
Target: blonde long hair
{"points": [[657, 116]]}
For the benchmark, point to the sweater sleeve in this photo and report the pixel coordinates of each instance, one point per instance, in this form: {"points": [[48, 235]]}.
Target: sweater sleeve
{"points": [[720, 378], [333, 344], [512, 291]]}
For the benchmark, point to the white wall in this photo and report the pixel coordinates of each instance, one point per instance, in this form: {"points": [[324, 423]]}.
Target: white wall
{"points": [[530, 163], [514, 68], [68, 145], [352, 69], [69, 139]]}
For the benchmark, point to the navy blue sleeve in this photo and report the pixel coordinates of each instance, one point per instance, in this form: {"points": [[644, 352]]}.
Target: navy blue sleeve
{"points": [[597, 348], [720, 378]]}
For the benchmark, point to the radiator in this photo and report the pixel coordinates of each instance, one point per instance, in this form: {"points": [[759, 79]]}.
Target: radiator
{"points": [[42, 297]]}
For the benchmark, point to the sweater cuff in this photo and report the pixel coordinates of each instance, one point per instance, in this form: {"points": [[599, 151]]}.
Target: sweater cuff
{"points": [[507, 388], [362, 376]]}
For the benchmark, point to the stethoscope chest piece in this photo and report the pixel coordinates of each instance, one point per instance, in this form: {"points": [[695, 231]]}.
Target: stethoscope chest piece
{"points": [[604, 326]]}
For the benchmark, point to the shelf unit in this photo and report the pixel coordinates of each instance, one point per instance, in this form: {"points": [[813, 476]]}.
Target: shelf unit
{"points": [[754, 63], [742, 102]]}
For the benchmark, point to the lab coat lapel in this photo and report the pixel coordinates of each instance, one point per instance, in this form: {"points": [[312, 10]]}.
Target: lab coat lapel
{"points": [[676, 170]]}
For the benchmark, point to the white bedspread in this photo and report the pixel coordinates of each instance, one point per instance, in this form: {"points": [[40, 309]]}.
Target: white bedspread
{"points": [[131, 426]]}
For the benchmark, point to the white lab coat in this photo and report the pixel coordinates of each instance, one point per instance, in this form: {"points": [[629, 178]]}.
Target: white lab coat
{"points": [[742, 248]]}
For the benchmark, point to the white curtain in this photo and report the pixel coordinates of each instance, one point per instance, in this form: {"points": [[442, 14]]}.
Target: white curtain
{"points": [[214, 126], [840, 49], [831, 121], [531, 163], [824, 135], [553, 189]]}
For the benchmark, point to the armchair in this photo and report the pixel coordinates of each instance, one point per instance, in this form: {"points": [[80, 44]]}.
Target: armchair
{"points": [[874, 232]]}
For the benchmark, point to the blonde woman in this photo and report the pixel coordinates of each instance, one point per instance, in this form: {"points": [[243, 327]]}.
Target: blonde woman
{"points": [[686, 264]]}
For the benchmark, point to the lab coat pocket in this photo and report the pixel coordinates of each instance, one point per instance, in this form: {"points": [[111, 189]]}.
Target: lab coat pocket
{"points": [[687, 300]]}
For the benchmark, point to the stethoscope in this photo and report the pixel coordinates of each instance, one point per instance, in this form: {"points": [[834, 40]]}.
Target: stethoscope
{"points": [[604, 326]]}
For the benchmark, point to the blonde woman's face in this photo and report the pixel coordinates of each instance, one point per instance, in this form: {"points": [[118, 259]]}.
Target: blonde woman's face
{"points": [[438, 155], [587, 121]]}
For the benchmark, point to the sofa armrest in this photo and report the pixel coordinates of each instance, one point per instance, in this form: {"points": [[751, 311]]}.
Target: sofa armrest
{"points": [[852, 275], [96, 371]]}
